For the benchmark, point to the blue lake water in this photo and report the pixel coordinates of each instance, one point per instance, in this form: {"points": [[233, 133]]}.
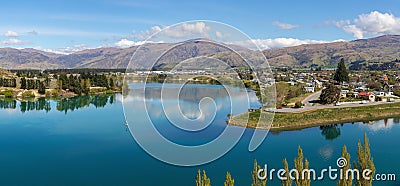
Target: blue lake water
{"points": [[83, 141]]}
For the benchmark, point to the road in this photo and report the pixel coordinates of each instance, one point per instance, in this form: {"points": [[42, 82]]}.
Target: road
{"points": [[315, 96]]}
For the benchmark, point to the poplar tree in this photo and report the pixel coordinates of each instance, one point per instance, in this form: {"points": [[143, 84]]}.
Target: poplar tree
{"points": [[23, 83], [300, 165], [365, 161], [202, 180], [254, 176], [42, 88], [288, 181], [229, 181], [112, 84], [345, 180]]}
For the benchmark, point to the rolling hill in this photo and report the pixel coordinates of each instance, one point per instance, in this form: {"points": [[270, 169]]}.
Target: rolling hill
{"points": [[380, 49]]}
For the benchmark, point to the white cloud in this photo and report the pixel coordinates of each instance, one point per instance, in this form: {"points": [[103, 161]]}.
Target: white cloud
{"points": [[66, 50], [284, 26], [187, 29], [372, 24], [221, 35], [11, 34], [278, 43], [357, 32], [147, 33], [13, 42], [199, 29], [125, 43]]}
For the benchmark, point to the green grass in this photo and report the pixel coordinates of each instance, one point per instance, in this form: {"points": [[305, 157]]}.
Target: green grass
{"points": [[300, 98], [288, 121]]}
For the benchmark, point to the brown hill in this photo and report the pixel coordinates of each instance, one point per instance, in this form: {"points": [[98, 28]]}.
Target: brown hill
{"points": [[380, 49], [384, 48]]}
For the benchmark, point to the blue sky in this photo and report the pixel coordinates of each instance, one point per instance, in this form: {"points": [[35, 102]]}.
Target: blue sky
{"points": [[67, 26]]}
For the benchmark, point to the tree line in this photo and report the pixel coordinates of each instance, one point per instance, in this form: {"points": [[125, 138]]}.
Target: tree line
{"points": [[8, 82], [63, 105], [81, 83]]}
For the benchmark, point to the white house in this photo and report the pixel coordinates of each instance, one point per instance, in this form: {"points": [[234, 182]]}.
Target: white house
{"points": [[309, 89], [317, 84]]}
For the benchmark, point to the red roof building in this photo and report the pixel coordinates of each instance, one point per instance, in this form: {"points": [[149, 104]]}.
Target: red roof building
{"points": [[366, 94]]}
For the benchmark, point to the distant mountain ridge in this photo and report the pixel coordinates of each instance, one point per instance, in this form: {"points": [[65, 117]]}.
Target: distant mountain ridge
{"points": [[380, 49], [383, 49]]}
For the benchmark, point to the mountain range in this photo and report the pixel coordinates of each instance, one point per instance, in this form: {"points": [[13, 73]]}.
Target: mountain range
{"points": [[379, 49]]}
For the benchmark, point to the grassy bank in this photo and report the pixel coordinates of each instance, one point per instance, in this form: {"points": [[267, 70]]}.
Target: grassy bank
{"points": [[290, 121]]}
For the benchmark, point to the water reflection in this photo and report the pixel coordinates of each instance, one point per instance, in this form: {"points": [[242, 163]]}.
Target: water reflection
{"points": [[330, 132], [40, 104], [62, 105], [382, 125], [8, 103], [191, 114], [78, 102]]}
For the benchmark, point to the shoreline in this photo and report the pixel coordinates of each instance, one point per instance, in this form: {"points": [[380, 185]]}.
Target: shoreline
{"points": [[317, 117], [17, 93]]}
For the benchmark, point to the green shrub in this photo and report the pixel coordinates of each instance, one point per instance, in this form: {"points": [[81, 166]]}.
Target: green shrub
{"points": [[109, 92], [28, 94], [48, 93], [54, 93], [7, 93], [298, 104]]}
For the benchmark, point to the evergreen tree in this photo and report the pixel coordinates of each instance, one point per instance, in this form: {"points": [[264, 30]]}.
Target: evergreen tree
{"points": [[229, 181], [23, 83], [345, 180], [330, 94], [112, 84], [59, 84], [87, 85], [37, 84], [288, 181], [47, 81], [341, 74], [254, 176], [365, 161], [42, 88], [300, 165], [202, 180]]}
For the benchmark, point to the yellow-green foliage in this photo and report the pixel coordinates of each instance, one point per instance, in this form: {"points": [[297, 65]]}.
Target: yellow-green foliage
{"points": [[300, 165], [229, 181], [202, 180], [28, 94], [288, 180], [254, 176], [345, 180], [7, 93], [365, 161]]}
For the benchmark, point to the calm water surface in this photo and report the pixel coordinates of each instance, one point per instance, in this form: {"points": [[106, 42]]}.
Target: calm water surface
{"points": [[82, 141]]}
